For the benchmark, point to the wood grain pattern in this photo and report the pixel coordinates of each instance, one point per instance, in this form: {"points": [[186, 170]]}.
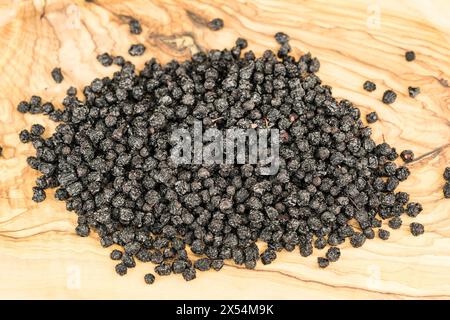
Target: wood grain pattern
{"points": [[41, 257]]}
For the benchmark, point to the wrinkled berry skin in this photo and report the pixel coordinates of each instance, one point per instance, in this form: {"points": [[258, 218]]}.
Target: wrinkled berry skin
{"points": [[135, 26], [389, 97], [57, 75], [446, 174], [416, 229], [136, 50], [369, 86], [446, 190], [383, 234]]}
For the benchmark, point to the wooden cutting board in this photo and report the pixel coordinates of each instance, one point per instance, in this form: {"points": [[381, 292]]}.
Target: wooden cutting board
{"points": [[40, 255]]}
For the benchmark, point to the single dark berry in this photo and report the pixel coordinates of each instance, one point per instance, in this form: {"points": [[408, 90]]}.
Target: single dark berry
{"points": [[413, 209], [281, 38], [446, 190], [37, 130], [215, 24], [57, 75], [447, 173], [323, 262], [189, 274], [369, 86], [407, 155], [217, 264], [241, 43], [395, 223], [357, 240], [38, 195], [369, 233], [136, 50], [410, 55], [25, 136], [149, 278], [116, 254], [416, 229], [372, 117], [413, 91], [121, 269], [105, 59], [389, 97], [333, 254], [163, 269], [203, 264], [135, 26], [383, 234], [119, 60], [23, 107]]}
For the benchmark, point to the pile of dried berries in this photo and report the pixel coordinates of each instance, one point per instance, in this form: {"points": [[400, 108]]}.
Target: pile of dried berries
{"points": [[110, 161]]}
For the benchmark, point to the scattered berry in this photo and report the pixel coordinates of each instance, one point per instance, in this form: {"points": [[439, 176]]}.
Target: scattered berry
{"points": [[369, 86], [215, 24], [389, 97]]}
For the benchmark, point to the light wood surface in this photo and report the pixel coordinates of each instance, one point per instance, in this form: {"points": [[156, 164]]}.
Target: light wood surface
{"points": [[40, 255]]}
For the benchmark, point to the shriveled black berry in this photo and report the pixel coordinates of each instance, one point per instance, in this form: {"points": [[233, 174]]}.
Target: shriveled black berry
{"points": [[203, 264], [136, 50], [333, 254], [395, 223], [149, 278], [37, 129], [383, 234], [38, 195], [241, 43], [369, 233], [413, 209], [105, 59], [1, 151], [416, 229], [57, 75], [323, 262], [121, 269], [25, 136], [82, 230], [163, 269], [446, 190], [189, 274], [217, 264], [281, 38], [369, 86], [372, 117], [116, 254], [215, 24], [413, 91], [135, 26], [410, 55], [407, 155], [268, 256], [357, 240], [23, 107], [446, 174], [389, 97]]}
